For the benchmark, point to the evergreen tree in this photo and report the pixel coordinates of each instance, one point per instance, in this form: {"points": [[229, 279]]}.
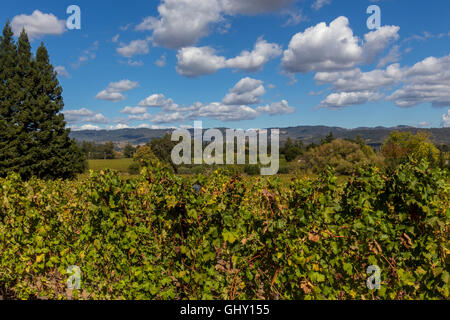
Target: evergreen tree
{"points": [[328, 139], [33, 137], [54, 153], [8, 106]]}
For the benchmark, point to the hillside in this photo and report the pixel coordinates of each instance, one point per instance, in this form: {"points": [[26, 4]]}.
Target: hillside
{"points": [[307, 134]]}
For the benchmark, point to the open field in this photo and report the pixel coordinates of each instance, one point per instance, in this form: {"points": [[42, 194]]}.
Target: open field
{"points": [[120, 165]]}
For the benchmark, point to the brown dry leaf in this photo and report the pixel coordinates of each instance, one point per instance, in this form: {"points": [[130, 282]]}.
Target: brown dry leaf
{"points": [[305, 287], [313, 237]]}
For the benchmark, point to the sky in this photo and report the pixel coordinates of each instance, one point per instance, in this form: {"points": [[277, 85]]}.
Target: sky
{"points": [[245, 63]]}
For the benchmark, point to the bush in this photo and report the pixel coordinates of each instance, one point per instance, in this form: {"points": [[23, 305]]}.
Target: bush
{"points": [[344, 156]]}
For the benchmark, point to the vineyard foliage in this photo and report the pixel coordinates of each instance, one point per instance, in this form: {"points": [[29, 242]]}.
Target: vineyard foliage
{"points": [[158, 237]]}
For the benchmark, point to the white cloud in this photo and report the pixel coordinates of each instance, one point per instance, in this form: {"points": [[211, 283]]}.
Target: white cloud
{"points": [[97, 118], [344, 99], [222, 112], [114, 90], [79, 112], [110, 96], [119, 126], [38, 24], [332, 48], [159, 101], [295, 17], [62, 72], [323, 48], [161, 62], [134, 110], [193, 62], [276, 108], [234, 107], [197, 61], [89, 53], [88, 127], [115, 38], [356, 80], [378, 40], [182, 23], [246, 91], [446, 119], [393, 56], [169, 117], [318, 4], [256, 59], [84, 115], [428, 81], [122, 86], [133, 48]]}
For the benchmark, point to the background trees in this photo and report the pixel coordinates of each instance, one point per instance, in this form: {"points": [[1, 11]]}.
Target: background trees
{"points": [[33, 138], [344, 156], [402, 145]]}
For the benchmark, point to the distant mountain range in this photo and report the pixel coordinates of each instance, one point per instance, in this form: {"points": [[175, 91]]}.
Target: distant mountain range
{"points": [[307, 134]]}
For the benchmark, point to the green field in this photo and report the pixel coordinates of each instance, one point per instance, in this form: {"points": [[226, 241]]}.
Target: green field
{"points": [[120, 165]]}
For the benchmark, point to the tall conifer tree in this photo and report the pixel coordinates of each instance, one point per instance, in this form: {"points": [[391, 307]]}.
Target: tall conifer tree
{"points": [[8, 106], [33, 137]]}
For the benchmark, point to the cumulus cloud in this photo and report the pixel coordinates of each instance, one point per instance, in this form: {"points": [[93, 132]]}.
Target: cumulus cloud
{"points": [[344, 99], [193, 62], [325, 48], [356, 80], [377, 41], [256, 59], [110, 96], [84, 115], [133, 48], [134, 110], [426, 81], [114, 90], [246, 91], [393, 56], [223, 112], [159, 101], [446, 120], [182, 23], [38, 24], [197, 61], [276, 108], [122, 86]]}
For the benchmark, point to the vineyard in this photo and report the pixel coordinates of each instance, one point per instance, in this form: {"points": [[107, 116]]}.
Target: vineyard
{"points": [[161, 236]]}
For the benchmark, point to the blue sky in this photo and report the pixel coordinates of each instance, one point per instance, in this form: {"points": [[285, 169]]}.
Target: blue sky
{"points": [[246, 63]]}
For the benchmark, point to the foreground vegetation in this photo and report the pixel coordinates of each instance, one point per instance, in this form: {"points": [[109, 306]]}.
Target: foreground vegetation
{"points": [[220, 237]]}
